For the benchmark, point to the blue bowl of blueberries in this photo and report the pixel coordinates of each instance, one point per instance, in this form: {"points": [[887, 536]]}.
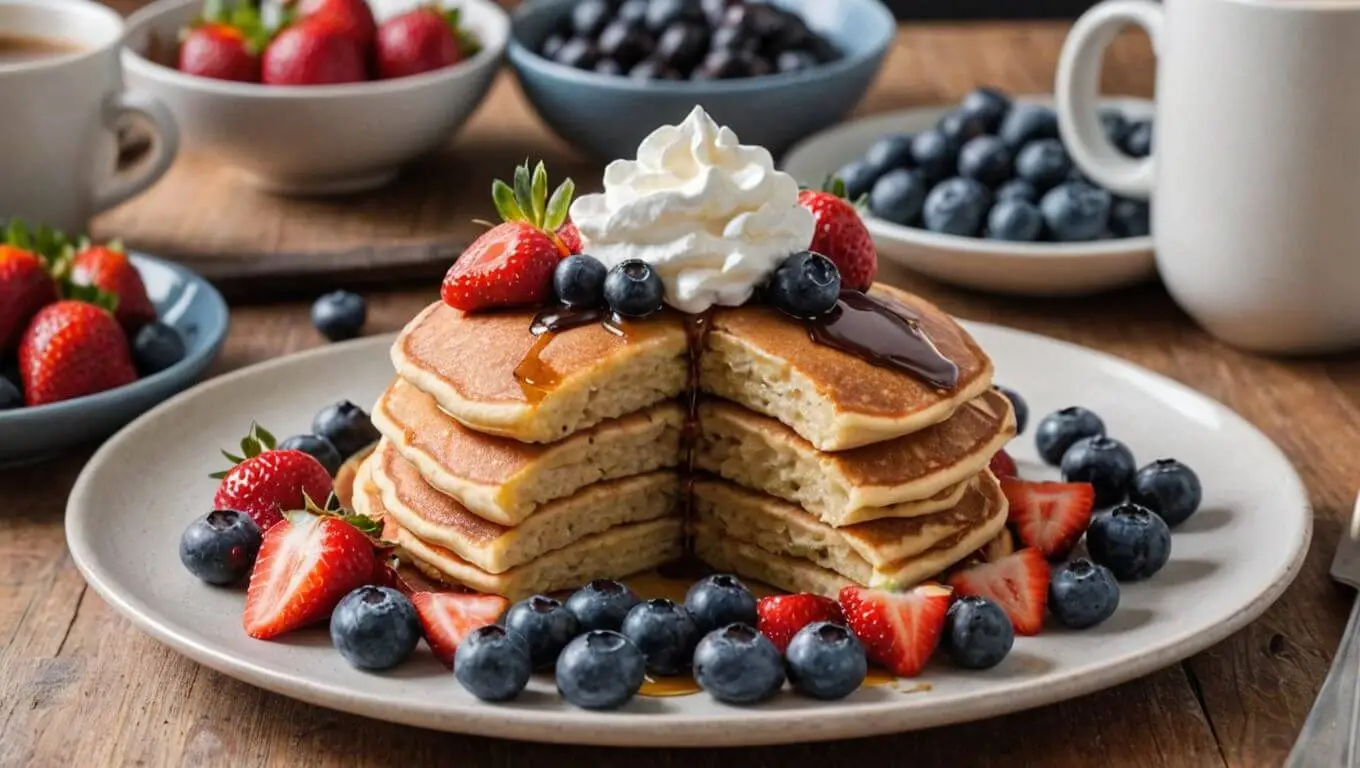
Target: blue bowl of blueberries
{"points": [[983, 194], [604, 74]]}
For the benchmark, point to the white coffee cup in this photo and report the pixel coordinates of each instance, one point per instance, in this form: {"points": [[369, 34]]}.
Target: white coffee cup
{"points": [[58, 141], [1255, 173]]}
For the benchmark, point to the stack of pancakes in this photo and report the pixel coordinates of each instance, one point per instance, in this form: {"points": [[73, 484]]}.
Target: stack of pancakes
{"points": [[514, 464]]}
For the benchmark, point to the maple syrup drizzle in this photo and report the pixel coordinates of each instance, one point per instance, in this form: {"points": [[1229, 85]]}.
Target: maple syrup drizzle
{"points": [[885, 334]]}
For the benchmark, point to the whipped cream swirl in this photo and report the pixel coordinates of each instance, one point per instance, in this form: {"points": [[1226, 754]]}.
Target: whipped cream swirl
{"points": [[711, 216]]}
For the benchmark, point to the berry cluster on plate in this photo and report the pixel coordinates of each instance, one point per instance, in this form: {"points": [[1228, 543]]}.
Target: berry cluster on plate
{"points": [[319, 42], [996, 169], [686, 39], [75, 319]]}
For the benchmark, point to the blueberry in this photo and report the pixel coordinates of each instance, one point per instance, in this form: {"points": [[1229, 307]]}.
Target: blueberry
{"points": [[1015, 220], [956, 207], [785, 31], [859, 177], [375, 627], [977, 633], [789, 62], [1116, 126], [898, 196], [960, 127], [826, 661], [220, 547], [722, 64], [733, 39], [545, 624], [989, 105], [1020, 407], [1130, 540], [1082, 594], [609, 67], [738, 665], [589, 17], [624, 44], [347, 426], [985, 159], [934, 154], [805, 285], [633, 12], [156, 347], [600, 670], [601, 604], [10, 394], [578, 281], [1105, 463], [718, 600], [633, 289], [651, 69], [823, 49], [682, 46], [1074, 211], [1129, 218], [1060, 429], [1168, 488], [664, 13], [318, 448], [1043, 163], [890, 153], [1026, 123], [664, 632], [493, 663], [577, 52], [552, 44], [1017, 189], [715, 10], [1138, 140], [339, 315]]}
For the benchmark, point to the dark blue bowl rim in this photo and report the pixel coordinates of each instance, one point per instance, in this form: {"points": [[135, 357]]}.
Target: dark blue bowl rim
{"points": [[522, 56], [215, 326]]}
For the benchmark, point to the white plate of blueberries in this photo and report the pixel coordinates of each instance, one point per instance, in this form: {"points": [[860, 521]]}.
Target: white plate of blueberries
{"points": [[983, 194]]}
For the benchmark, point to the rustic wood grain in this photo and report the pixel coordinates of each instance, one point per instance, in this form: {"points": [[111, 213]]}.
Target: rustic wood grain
{"points": [[80, 686]]}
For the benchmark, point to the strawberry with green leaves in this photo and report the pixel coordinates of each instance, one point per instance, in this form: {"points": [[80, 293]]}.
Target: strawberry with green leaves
{"points": [[225, 43], [512, 264], [841, 235], [72, 349], [352, 19], [265, 482], [108, 268], [25, 288], [421, 40]]}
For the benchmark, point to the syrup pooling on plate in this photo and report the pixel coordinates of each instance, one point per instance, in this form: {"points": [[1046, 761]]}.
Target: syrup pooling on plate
{"points": [[884, 334]]}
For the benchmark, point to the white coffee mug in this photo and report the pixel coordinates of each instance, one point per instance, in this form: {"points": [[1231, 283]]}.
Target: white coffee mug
{"points": [[59, 116], [1255, 172]]}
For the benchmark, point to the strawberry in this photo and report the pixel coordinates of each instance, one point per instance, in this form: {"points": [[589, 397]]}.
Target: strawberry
{"points": [[570, 237], [841, 235], [1003, 466], [512, 265], [781, 616], [899, 630], [108, 269], [304, 568], [313, 53], [1018, 583], [221, 52], [265, 482], [421, 40], [72, 349], [25, 288], [1051, 517], [353, 19], [448, 617]]}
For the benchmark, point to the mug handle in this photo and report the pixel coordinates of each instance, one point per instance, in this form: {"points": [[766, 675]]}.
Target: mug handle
{"points": [[164, 147], [1077, 95]]}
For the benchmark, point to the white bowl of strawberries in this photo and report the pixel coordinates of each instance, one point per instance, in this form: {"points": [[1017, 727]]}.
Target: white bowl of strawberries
{"points": [[316, 96]]}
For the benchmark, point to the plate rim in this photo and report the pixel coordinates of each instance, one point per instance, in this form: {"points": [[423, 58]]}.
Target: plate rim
{"points": [[780, 726]]}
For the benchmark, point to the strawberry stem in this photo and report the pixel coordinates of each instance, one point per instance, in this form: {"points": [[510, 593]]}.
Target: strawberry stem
{"points": [[528, 200]]}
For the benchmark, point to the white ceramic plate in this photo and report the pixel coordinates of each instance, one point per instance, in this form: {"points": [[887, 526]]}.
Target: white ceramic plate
{"points": [[1228, 563], [1032, 269]]}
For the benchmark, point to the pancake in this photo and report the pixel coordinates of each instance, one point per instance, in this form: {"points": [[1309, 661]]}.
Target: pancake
{"points": [[787, 574], [879, 553], [440, 520], [759, 358], [504, 480], [919, 474], [576, 378]]}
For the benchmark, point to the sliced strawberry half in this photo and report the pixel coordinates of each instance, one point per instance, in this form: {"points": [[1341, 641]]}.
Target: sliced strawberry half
{"points": [[304, 567], [1003, 466], [448, 617], [899, 630], [781, 616], [1051, 517], [1018, 583]]}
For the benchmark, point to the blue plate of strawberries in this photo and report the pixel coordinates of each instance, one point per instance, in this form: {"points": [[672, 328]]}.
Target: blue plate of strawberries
{"points": [[91, 336]]}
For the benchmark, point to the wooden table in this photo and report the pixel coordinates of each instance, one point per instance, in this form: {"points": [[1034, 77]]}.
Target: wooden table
{"points": [[80, 686]]}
